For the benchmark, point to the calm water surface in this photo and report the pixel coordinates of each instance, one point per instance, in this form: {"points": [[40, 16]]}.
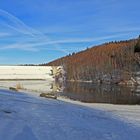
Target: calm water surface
{"points": [[94, 93], [84, 92]]}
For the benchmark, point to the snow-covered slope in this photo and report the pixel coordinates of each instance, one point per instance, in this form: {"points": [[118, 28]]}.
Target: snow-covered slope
{"points": [[127, 113], [24, 117]]}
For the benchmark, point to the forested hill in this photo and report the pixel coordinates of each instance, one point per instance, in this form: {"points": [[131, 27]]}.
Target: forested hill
{"points": [[112, 62]]}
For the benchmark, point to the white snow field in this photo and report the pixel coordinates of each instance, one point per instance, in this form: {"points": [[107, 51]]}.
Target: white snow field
{"points": [[26, 117], [127, 113], [26, 72]]}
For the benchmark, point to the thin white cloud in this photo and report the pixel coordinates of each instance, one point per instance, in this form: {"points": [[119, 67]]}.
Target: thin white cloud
{"points": [[16, 24], [80, 40], [39, 40], [18, 46], [2, 34], [36, 46]]}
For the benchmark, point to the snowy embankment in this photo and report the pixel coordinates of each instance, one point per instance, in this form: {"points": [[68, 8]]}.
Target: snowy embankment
{"points": [[127, 113], [26, 117]]}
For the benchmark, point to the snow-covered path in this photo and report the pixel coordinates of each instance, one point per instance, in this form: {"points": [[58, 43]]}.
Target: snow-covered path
{"points": [[24, 117], [127, 113]]}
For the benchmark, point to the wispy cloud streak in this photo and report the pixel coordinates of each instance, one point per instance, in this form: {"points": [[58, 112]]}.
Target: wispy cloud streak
{"points": [[38, 40], [16, 24], [2, 34], [34, 46], [19, 26]]}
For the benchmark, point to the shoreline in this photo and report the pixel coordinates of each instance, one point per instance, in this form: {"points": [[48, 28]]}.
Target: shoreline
{"points": [[41, 118], [127, 113]]}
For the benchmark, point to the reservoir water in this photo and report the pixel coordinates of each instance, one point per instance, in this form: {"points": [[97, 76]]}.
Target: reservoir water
{"points": [[80, 91], [95, 93]]}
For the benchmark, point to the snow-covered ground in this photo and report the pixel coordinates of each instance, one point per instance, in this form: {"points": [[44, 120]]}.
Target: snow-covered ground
{"points": [[26, 117], [127, 113]]}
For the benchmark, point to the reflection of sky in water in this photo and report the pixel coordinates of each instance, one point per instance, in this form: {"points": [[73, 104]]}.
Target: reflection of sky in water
{"points": [[30, 85]]}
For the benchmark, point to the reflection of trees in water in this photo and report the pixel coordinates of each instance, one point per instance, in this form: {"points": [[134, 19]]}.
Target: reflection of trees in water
{"points": [[88, 92], [57, 86]]}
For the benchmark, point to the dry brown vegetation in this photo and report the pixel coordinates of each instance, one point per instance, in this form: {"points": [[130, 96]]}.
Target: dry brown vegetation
{"points": [[110, 62]]}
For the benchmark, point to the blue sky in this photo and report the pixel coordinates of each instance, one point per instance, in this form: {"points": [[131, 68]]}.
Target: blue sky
{"points": [[38, 31]]}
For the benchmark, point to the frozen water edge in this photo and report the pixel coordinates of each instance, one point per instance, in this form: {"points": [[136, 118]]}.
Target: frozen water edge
{"points": [[28, 117]]}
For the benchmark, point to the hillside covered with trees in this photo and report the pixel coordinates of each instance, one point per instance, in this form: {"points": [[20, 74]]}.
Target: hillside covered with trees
{"points": [[113, 62]]}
